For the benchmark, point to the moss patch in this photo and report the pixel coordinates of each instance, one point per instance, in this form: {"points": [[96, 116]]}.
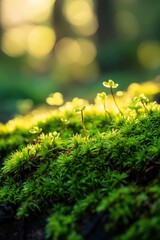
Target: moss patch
{"points": [[104, 184]]}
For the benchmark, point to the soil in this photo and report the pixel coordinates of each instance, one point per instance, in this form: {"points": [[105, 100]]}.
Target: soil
{"points": [[11, 228], [33, 227]]}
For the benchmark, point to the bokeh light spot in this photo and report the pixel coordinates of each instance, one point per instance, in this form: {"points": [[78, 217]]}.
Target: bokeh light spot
{"points": [[67, 51], [21, 11], [13, 42], [126, 24], [78, 12], [81, 51], [119, 93], [88, 51], [88, 29], [13, 12], [39, 10], [24, 106], [149, 54], [41, 41], [55, 99]]}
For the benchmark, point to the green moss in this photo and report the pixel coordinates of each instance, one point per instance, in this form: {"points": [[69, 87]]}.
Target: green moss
{"points": [[113, 175]]}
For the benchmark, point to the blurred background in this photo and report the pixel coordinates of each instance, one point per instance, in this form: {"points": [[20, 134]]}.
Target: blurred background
{"points": [[71, 46]]}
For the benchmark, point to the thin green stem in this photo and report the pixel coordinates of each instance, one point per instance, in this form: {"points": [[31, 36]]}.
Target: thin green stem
{"points": [[144, 106], [105, 110], [115, 101], [83, 125], [104, 106]]}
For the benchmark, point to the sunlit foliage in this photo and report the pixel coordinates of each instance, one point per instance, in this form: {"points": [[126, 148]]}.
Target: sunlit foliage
{"points": [[103, 168]]}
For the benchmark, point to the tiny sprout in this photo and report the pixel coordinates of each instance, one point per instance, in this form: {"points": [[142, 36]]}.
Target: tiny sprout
{"points": [[111, 84], [80, 110], [143, 99], [135, 107], [54, 134], [36, 130], [65, 121], [77, 110], [103, 96]]}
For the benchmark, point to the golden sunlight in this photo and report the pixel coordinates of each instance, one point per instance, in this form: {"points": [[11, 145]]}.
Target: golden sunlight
{"points": [[55, 99], [81, 51], [13, 12], [67, 51], [41, 41], [88, 29], [88, 51], [13, 42], [149, 54], [39, 10], [16, 12], [78, 12]]}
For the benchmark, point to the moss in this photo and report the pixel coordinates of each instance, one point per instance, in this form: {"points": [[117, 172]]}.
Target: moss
{"points": [[111, 178]]}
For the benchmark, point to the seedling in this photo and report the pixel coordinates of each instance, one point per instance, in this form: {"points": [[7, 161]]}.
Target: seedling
{"points": [[115, 173], [135, 107], [82, 118], [54, 135], [65, 122], [102, 95], [110, 84], [36, 130], [143, 99]]}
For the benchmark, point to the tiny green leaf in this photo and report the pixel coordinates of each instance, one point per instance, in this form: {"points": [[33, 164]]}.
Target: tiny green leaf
{"points": [[102, 95], [64, 120], [35, 130], [141, 98], [83, 108], [77, 110], [135, 107], [110, 84]]}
